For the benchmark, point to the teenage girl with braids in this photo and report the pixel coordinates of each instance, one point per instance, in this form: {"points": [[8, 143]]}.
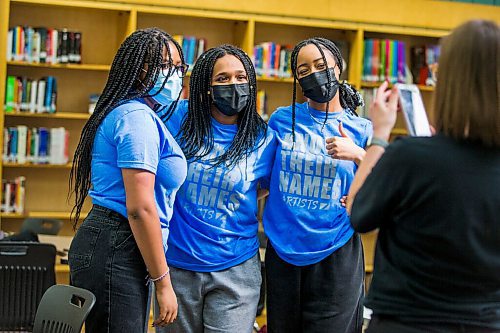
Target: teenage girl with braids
{"points": [[126, 158], [213, 244], [314, 260]]}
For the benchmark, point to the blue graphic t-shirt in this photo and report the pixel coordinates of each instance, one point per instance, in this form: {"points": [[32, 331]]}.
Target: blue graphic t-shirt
{"points": [[303, 217], [214, 225], [132, 136]]}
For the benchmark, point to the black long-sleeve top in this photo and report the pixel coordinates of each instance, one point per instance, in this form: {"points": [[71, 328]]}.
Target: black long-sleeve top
{"points": [[436, 203]]}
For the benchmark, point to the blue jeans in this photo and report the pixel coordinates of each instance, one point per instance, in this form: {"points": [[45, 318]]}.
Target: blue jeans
{"points": [[104, 258]]}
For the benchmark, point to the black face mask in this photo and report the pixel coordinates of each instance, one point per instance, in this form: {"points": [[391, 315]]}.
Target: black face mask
{"points": [[231, 99], [315, 86]]}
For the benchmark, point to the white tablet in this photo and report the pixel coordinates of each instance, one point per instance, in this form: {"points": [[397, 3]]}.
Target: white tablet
{"points": [[413, 110]]}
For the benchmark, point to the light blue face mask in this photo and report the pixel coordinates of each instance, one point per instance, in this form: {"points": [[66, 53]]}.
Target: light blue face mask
{"points": [[170, 90]]}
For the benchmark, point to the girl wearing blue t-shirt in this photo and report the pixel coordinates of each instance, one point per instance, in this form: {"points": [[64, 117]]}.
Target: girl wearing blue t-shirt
{"points": [[213, 244], [314, 260], [126, 158]]}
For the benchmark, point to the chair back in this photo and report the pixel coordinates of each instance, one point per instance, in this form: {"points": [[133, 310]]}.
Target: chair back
{"points": [[26, 272], [63, 309]]}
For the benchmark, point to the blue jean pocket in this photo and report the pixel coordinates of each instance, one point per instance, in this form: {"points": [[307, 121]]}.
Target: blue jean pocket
{"points": [[124, 238], [83, 247]]}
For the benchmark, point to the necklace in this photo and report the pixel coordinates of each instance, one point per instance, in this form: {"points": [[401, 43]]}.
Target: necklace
{"points": [[330, 117]]}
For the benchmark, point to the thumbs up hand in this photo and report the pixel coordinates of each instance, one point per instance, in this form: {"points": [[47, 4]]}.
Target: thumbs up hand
{"points": [[343, 148]]}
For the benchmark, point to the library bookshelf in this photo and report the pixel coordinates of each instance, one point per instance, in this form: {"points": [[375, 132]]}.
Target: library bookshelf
{"points": [[105, 24]]}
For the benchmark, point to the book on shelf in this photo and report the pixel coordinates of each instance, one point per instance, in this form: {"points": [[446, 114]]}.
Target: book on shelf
{"points": [[23, 94], [192, 47], [93, 99], [272, 60], [13, 195], [262, 104], [36, 145], [44, 45], [424, 61], [385, 59]]}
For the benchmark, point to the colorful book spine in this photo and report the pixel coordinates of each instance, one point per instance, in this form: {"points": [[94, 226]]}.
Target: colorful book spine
{"points": [[366, 60], [384, 59], [401, 75], [272, 60], [43, 148], [10, 37], [36, 145], [5, 150], [10, 94], [25, 95], [21, 144], [43, 45], [13, 195], [262, 104], [375, 60], [13, 139]]}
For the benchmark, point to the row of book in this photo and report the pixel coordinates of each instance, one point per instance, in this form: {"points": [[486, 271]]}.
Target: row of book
{"points": [[272, 60], [192, 48], [23, 94], [384, 59], [44, 45], [424, 61], [13, 195], [35, 145], [262, 104]]}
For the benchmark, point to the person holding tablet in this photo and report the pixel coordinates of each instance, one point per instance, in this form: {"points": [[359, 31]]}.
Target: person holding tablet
{"points": [[435, 199]]}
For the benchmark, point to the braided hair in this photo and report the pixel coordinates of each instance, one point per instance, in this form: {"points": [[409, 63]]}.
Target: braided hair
{"points": [[196, 134], [350, 98], [142, 47]]}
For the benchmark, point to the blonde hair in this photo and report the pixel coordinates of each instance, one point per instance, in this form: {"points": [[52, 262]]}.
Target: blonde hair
{"points": [[466, 103]]}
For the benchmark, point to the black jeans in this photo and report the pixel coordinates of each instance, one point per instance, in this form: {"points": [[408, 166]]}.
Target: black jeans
{"points": [[383, 324], [323, 297], [104, 258]]}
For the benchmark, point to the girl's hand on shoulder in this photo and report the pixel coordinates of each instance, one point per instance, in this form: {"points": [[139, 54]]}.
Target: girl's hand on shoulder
{"points": [[262, 193], [343, 201]]}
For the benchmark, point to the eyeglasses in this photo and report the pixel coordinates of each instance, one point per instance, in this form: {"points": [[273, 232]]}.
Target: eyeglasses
{"points": [[169, 68]]}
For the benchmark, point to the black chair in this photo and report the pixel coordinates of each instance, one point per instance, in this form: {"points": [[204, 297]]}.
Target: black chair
{"points": [[63, 309], [26, 272], [42, 226]]}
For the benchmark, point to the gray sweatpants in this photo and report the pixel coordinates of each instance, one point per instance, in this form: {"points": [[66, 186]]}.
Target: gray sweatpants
{"points": [[224, 301]]}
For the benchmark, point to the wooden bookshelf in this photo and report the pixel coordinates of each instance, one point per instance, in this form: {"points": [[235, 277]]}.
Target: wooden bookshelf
{"points": [[37, 166], [41, 214], [56, 115], [274, 79], [81, 67], [399, 131], [105, 24]]}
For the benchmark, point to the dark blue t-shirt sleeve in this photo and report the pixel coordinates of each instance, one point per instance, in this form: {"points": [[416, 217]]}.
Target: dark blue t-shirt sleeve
{"points": [[138, 141], [379, 195]]}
